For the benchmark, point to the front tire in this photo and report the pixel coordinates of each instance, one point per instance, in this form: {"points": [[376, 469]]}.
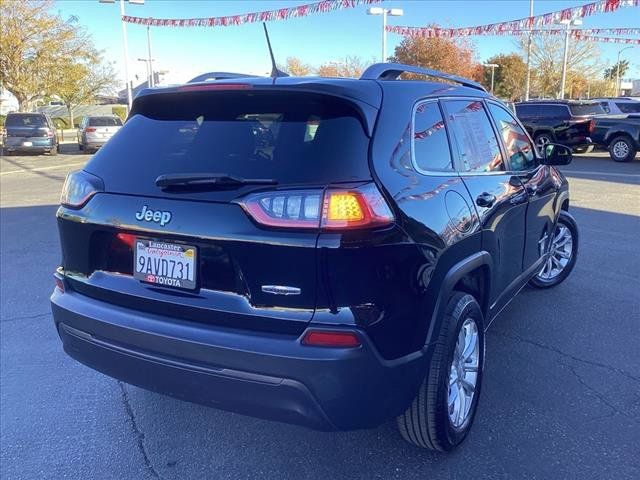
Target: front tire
{"points": [[563, 253], [541, 140], [622, 149], [441, 415]]}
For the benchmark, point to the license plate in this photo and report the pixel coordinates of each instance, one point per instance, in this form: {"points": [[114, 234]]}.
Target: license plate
{"points": [[27, 144], [165, 264]]}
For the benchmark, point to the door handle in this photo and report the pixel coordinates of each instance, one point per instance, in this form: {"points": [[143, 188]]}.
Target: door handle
{"points": [[485, 199]]}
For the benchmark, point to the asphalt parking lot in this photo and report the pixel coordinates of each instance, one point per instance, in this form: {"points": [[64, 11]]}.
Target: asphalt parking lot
{"points": [[561, 397]]}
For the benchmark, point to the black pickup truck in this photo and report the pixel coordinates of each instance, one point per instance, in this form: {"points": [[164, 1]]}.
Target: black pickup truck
{"points": [[560, 121], [620, 134]]}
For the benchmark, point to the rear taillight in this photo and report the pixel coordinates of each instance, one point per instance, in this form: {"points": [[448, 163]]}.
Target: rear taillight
{"points": [[78, 189], [330, 209], [90, 129], [126, 239], [592, 126], [59, 281], [331, 338]]}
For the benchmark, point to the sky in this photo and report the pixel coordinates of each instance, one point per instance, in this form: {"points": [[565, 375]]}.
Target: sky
{"points": [[316, 39]]}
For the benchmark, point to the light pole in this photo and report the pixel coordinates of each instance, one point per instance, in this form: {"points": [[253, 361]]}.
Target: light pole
{"points": [[125, 44], [394, 12], [528, 84], [568, 23], [618, 70], [152, 80], [493, 70], [147, 65]]}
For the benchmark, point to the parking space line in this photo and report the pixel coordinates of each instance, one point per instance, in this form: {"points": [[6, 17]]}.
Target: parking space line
{"points": [[52, 167], [604, 174]]}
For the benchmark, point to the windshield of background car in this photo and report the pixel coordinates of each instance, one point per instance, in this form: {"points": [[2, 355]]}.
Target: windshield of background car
{"points": [[290, 137], [25, 120], [582, 109], [104, 122]]}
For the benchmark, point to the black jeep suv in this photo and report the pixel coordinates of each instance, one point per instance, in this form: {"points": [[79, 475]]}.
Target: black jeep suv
{"points": [[325, 252]]}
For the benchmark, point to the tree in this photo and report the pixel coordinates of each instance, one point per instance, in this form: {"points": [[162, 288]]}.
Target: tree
{"points": [[350, 66], [79, 82], [296, 68], [444, 54], [547, 52], [33, 44], [510, 76], [611, 73]]}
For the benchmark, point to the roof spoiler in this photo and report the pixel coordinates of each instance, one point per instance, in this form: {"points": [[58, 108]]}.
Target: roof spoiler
{"points": [[210, 76], [391, 71]]}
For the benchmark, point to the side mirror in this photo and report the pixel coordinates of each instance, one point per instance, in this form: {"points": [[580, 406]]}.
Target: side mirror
{"points": [[556, 154]]}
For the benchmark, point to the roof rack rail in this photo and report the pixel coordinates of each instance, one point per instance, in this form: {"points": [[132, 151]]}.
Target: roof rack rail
{"points": [[391, 71], [205, 77]]}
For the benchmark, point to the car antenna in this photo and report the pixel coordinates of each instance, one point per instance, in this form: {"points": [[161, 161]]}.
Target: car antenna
{"points": [[275, 73]]}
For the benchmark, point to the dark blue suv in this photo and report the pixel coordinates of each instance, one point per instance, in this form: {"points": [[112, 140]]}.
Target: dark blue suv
{"points": [[325, 252]]}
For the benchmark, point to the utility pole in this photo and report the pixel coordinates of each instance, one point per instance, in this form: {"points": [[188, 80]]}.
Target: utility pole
{"points": [[528, 84], [152, 80]]}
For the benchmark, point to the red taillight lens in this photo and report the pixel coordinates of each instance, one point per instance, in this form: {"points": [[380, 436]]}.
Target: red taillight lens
{"points": [[357, 208], [331, 338], [126, 238], [90, 129], [592, 126], [59, 282], [334, 208], [49, 132], [78, 189]]}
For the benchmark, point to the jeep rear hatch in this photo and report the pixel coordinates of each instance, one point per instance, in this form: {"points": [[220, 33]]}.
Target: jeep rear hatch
{"points": [[234, 178]]}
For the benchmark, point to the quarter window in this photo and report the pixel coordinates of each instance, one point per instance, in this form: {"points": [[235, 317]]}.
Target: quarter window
{"points": [[430, 144], [516, 142], [475, 139]]}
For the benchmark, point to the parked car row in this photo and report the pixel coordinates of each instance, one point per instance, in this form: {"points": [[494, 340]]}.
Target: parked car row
{"points": [[36, 133], [585, 125]]}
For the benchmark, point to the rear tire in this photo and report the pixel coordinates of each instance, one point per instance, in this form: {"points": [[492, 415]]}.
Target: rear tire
{"points": [[564, 249], [541, 140], [441, 415], [622, 149]]}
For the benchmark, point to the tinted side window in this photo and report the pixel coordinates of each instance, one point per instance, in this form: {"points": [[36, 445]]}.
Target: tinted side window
{"points": [[524, 110], [629, 107], [556, 111], [475, 139], [516, 142], [430, 144]]}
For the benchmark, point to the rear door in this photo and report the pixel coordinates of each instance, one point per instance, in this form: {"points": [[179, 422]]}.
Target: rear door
{"points": [[254, 243], [500, 202], [101, 129]]}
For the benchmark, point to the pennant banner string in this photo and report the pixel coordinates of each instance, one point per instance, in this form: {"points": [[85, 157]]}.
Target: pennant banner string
{"points": [[324, 6]]}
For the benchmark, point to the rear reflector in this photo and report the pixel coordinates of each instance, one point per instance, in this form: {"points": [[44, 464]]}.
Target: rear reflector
{"points": [[59, 282], [331, 338], [126, 238], [90, 129]]}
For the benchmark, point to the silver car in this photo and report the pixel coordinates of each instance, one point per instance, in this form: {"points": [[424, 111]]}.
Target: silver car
{"points": [[95, 131]]}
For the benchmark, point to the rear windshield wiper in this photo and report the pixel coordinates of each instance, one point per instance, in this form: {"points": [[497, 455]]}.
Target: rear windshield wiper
{"points": [[207, 180]]}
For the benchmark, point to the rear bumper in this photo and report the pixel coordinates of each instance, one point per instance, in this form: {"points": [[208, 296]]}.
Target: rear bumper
{"points": [[263, 375], [17, 144]]}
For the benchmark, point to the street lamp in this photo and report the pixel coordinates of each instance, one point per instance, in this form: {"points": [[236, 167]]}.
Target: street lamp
{"points": [[125, 44], [149, 70], [493, 69], [394, 12], [618, 71], [568, 23]]}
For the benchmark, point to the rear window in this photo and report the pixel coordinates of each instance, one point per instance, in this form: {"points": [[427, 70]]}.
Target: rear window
{"points": [[629, 107], [25, 120], [581, 109], [104, 122], [290, 137]]}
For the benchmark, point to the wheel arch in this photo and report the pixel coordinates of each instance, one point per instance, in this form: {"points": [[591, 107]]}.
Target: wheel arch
{"points": [[471, 275]]}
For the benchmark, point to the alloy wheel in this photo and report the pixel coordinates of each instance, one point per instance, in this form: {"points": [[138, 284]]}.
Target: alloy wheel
{"points": [[463, 374], [559, 253], [620, 149]]}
